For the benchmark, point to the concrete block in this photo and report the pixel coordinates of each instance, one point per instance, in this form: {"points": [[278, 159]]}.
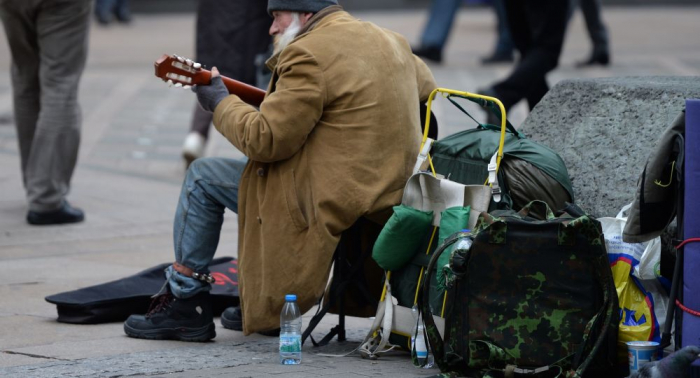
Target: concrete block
{"points": [[604, 129]]}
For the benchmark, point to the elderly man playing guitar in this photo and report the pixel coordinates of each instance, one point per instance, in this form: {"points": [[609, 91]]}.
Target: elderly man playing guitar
{"points": [[334, 140]]}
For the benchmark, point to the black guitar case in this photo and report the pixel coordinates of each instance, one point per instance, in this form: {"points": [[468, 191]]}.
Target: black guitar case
{"points": [[115, 301]]}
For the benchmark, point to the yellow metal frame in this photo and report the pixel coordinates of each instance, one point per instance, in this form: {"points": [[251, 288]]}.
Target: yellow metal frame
{"points": [[445, 92], [426, 128]]}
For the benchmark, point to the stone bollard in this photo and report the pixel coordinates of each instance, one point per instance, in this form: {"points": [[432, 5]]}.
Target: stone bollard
{"points": [[604, 129]]}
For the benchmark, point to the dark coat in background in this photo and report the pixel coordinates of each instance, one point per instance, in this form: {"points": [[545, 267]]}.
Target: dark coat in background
{"points": [[230, 34]]}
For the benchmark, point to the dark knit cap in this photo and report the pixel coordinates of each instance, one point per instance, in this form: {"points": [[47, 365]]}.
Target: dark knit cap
{"points": [[311, 6]]}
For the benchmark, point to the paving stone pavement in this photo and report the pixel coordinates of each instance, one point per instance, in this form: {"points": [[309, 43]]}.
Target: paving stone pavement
{"points": [[129, 176]]}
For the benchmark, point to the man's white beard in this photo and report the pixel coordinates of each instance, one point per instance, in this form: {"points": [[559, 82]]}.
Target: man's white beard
{"points": [[292, 30]]}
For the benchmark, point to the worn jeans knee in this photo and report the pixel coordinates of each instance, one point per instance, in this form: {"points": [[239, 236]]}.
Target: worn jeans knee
{"points": [[210, 187]]}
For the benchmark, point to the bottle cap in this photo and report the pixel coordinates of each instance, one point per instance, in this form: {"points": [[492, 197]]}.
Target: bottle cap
{"points": [[290, 297]]}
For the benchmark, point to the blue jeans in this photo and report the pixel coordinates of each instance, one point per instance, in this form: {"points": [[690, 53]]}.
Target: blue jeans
{"points": [[105, 8], [210, 187], [440, 19]]}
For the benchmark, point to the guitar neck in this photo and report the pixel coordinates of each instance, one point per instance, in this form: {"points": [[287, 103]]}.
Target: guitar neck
{"points": [[249, 94]]}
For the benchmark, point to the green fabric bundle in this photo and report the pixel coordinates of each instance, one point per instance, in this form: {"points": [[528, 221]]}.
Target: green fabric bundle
{"points": [[452, 220], [400, 238]]}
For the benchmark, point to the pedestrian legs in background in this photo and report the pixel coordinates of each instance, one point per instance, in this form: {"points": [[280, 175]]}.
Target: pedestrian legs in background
{"points": [[193, 147], [105, 9], [48, 43], [597, 31], [537, 28], [210, 187], [503, 53], [437, 30], [122, 11], [229, 35]]}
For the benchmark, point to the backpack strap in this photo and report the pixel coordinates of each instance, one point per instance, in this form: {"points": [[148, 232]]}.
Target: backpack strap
{"points": [[431, 329], [491, 107], [423, 155], [606, 314], [377, 339], [493, 178]]}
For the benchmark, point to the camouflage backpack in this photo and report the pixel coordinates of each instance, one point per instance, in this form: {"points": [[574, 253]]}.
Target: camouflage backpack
{"points": [[530, 297]]}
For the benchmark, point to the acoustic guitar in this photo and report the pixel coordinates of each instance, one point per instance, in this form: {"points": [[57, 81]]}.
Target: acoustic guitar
{"points": [[182, 72]]}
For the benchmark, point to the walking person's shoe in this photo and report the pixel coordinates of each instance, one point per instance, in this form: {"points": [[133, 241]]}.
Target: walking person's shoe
{"points": [[123, 15], [102, 15], [64, 215], [171, 318], [430, 53], [597, 57], [232, 318], [193, 147]]}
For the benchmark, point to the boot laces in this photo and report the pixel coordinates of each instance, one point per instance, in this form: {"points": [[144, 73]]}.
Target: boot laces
{"points": [[160, 303]]}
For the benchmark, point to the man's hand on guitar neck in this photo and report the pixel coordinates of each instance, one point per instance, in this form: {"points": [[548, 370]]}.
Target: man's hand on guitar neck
{"points": [[209, 96]]}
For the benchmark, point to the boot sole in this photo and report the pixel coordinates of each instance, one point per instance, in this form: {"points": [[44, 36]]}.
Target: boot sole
{"points": [[202, 334]]}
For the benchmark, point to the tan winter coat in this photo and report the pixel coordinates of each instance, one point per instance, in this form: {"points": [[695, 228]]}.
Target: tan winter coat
{"points": [[335, 139]]}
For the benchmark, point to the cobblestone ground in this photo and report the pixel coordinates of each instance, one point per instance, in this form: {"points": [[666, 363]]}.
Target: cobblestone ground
{"points": [[129, 176]]}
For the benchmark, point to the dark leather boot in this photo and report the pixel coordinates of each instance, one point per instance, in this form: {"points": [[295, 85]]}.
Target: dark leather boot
{"points": [[232, 318], [171, 318]]}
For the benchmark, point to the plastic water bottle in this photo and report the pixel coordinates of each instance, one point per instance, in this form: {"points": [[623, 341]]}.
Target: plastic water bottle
{"points": [[418, 342], [464, 242], [458, 261], [290, 332]]}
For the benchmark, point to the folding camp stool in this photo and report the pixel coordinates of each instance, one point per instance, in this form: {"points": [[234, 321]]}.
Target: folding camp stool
{"points": [[357, 280], [356, 284]]}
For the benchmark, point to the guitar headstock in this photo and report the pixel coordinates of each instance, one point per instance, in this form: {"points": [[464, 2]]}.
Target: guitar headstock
{"points": [[181, 72]]}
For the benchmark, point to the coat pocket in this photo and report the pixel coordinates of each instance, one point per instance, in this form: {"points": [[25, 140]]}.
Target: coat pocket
{"points": [[292, 201]]}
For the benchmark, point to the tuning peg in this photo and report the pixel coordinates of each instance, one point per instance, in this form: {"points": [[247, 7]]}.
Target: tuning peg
{"points": [[186, 86], [189, 62], [170, 83], [197, 65], [178, 85], [181, 59]]}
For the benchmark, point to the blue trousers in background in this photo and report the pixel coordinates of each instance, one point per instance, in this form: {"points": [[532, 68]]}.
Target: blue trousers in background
{"points": [[441, 18], [105, 8]]}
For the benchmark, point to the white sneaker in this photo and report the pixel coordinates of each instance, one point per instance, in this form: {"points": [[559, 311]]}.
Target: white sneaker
{"points": [[193, 148]]}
